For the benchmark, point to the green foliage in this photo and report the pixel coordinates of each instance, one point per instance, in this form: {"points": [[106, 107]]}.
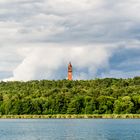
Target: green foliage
{"points": [[99, 96], [123, 105]]}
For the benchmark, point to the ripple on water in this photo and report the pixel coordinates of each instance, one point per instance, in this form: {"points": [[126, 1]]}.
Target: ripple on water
{"points": [[70, 129]]}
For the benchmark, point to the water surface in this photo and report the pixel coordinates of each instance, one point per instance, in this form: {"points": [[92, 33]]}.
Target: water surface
{"points": [[69, 129]]}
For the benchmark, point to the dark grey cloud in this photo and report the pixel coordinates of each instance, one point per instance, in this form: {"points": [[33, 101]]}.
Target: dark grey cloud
{"points": [[70, 21]]}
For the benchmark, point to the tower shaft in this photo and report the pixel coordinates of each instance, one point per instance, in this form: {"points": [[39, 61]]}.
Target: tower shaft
{"points": [[69, 71]]}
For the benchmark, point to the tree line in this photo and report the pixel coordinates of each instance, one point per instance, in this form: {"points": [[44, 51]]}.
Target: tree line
{"points": [[99, 96]]}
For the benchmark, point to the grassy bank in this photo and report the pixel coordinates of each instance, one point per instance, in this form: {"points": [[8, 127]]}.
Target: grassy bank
{"points": [[62, 116]]}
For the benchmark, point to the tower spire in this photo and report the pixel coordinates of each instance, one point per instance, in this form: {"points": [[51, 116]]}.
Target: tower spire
{"points": [[70, 71]]}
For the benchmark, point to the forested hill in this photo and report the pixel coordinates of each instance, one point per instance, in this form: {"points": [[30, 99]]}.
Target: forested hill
{"points": [[100, 96]]}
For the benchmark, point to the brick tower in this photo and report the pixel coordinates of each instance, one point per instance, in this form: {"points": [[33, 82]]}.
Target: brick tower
{"points": [[70, 71]]}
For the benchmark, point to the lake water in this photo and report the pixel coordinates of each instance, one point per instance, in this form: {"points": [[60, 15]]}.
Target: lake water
{"points": [[69, 129]]}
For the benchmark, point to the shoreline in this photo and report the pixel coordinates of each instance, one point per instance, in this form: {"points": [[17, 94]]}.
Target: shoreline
{"points": [[74, 116]]}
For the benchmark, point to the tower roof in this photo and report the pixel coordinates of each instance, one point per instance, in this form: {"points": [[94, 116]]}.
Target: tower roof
{"points": [[70, 65]]}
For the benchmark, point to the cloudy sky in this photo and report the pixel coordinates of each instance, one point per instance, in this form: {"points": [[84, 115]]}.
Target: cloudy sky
{"points": [[38, 38]]}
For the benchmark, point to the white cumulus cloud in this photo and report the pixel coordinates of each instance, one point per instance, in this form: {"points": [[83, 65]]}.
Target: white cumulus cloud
{"points": [[51, 62]]}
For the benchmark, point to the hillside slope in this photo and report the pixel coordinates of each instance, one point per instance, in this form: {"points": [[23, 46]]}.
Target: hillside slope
{"points": [[99, 96]]}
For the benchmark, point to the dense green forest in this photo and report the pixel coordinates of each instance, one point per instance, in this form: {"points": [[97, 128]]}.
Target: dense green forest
{"points": [[99, 96]]}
